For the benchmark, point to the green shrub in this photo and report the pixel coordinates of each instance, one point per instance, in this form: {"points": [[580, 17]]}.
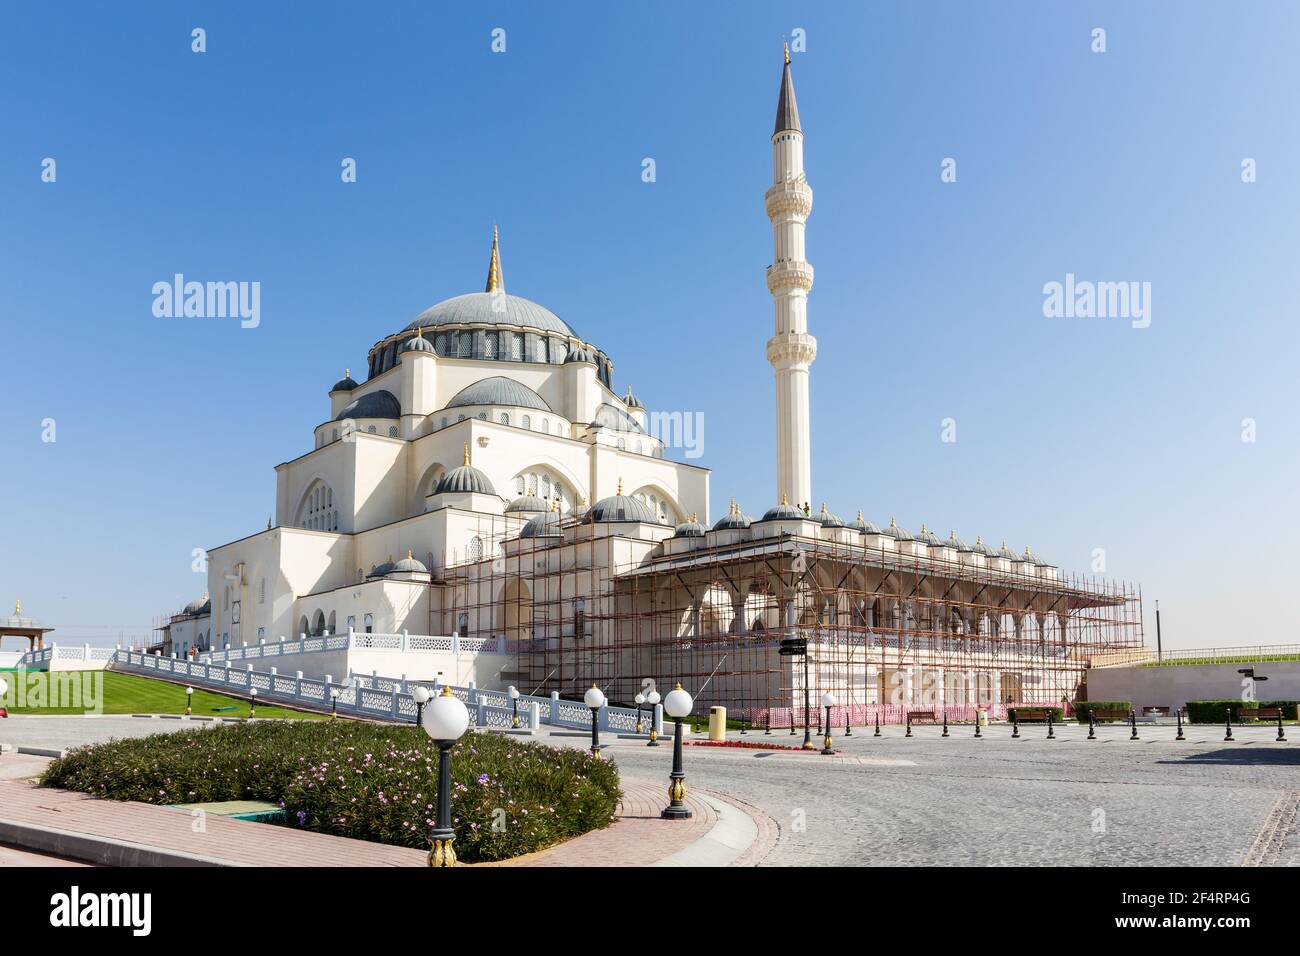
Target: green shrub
{"points": [[1083, 707], [1216, 711], [366, 781], [1014, 712]]}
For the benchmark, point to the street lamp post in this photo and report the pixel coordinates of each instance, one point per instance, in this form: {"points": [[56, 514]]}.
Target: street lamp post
{"points": [[514, 706], [652, 699], [639, 699], [595, 700], [445, 720], [189, 700], [334, 702], [678, 706], [421, 697], [4, 689], [828, 701], [252, 702]]}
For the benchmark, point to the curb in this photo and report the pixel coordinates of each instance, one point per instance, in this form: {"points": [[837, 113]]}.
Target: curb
{"points": [[101, 851], [729, 839]]}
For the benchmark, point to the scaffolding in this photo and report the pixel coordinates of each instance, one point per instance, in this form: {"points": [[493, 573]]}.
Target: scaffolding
{"points": [[887, 632]]}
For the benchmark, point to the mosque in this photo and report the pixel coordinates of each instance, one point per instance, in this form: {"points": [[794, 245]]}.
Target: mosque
{"points": [[487, 479]]}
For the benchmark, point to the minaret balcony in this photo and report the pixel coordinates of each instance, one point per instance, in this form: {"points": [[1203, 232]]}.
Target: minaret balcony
{"points": [[791, 350], [790, 197], [789, 274]]}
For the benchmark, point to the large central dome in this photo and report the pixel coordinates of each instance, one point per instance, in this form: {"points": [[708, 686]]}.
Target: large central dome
{"points": [[491, 308]]}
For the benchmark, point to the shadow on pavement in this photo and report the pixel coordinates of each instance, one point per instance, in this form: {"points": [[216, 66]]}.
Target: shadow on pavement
{"points": [[1242, 757]]}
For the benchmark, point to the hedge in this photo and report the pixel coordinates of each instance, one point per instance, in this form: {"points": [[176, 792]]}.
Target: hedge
{"points": [[366, 781], [1055, 711], [1083, 707], [1216, 711]]}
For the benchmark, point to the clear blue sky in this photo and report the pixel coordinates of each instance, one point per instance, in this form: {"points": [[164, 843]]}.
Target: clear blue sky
{"points": [[1072, 434]]}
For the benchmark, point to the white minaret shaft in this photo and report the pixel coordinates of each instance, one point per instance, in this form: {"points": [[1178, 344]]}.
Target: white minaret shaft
{"points": [[791, 350]]}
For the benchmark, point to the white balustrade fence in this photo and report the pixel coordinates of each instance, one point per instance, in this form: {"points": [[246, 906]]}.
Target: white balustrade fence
{"points": [[404, 642]]}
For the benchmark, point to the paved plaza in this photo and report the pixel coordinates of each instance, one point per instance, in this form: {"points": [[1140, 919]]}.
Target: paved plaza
{"points": [[951, 802]]}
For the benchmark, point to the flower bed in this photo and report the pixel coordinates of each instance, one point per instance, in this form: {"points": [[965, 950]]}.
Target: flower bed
{"points": [[741, 745], [366, 781]]}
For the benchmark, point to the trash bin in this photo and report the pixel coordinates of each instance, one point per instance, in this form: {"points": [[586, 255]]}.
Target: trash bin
{"points": [[982, 716], [718, 724]]}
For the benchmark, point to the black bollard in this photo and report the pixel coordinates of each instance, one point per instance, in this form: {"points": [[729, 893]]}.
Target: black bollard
{"points": [[1015, 725], [767, 723], [742, 724], [1133, 723], [791, 709], [1051, 732], [1180, 725], [848, 726], [1280, 736], [909, 724], [877, 733], [1228, 725], [945, 723], [978, 733], [1092, 725]]}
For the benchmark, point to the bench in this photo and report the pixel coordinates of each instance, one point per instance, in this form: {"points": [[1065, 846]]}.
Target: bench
{"points": [[1024, 714], [1101, 714], [1257, 713], [921, 716]]}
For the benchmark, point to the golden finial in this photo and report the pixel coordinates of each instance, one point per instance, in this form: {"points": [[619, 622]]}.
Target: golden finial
{"points": [[892, 522], [859, 514], [733, 505], [18, 608], [555, 504], [494, 282], [1004, 544], [979, 540], [446, 690], [409, 555], [823, 507], [466, 453], [787, 54], [620, 488], [785, 499], [695, 517], [952, 535], [923, 528], [679, 686], [347, 373]]}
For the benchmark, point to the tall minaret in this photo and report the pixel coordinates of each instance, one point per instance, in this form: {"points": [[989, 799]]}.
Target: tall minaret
{"points": [[791, 350]]}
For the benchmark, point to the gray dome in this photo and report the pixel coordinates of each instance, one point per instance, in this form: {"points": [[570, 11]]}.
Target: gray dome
{"points": [[929, 537], [545, 525], [580, 354], [499, 390], [527, 503], [1036, 560], [379, 570], [410, 563], [345, 384], [491, 308], [379, 404], [982, 548], [897, 533], [1005, 552], [620, 507], [199, 606], [419, 344], [828, 520], [689, 529], [733, 520], [630, 400], [956, 543], [866, 527], [465, 479], [614, 418], [783, 512]]}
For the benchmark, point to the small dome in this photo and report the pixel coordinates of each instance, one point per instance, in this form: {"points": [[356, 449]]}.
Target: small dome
{"points": [[897, 533], [733, 520], [410, 563], [379, 570], [465, 479], [199, 606], [1005, 552], [630, 400], [619, 507], [614, 418], [1035, 559], [928, 537], [419, 344], [528, 503], [545, 525], [580, 354], [499, 390], [345, 384], [956, 543], [866, 527], [828, 520], [982, 548], [379, 404], [783, 512], [690, 529]]}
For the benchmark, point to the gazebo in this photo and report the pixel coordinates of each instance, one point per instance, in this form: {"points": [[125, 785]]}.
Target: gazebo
{"points": [[19, 626]]}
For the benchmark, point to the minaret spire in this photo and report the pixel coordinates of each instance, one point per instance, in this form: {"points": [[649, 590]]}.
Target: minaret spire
{"points": [[494, 281], [791, 350]]}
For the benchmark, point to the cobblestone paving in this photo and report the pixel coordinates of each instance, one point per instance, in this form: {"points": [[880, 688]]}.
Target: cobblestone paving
{"points": [[997, 801]]}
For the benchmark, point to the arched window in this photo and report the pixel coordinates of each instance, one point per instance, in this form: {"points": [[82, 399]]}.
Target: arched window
{"points": [[336, 435], [517, 346], [546, 486], [519, 485], [638, 447], [465, 345], [476, 548], [482, 416], [490, 345], [440, 343], [505, 418], [315, 511], [546, 426], [372, 429], [444, 421], [528, 422], [392, 431], [261, 591], [460, 418], [369, 623], [622, 445]]}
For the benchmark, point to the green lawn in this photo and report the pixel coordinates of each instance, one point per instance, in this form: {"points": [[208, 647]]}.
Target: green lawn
{"points": [[130, 694], [1249, 659]]}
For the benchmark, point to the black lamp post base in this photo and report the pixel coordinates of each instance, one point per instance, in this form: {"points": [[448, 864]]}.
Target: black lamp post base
{"points": [[441, 853], [671, 812]]}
